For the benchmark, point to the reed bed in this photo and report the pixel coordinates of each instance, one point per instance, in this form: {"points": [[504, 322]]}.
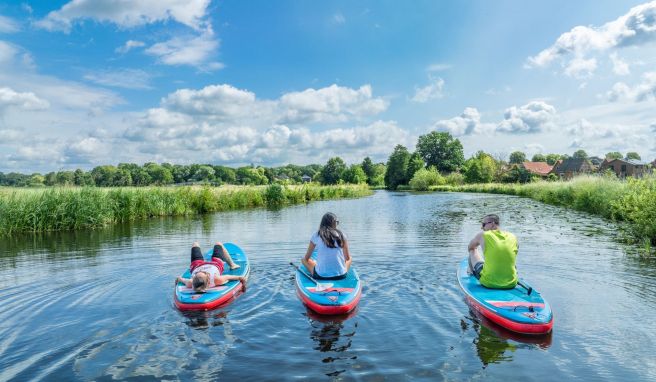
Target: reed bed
{"points": [[632, 201], [70, 208]]}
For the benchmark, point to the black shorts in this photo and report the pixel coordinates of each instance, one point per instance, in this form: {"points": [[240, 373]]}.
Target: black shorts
{"points": [[477, 269], [315, 275], [197, 254]]}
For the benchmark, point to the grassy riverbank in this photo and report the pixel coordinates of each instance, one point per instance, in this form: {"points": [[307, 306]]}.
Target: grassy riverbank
{"points": [[67, 208], [632, 201]]}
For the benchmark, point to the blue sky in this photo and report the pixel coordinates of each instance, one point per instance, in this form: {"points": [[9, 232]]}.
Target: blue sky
{"points": [[85, 82]]}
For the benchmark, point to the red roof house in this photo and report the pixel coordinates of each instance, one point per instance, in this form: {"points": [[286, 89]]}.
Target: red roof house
{"points": [[538, 168]]}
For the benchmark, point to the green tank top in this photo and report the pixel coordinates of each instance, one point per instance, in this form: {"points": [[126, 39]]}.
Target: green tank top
{"points": [[500, 253]]}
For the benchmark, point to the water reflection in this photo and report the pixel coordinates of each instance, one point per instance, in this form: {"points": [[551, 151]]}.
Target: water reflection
{"points": [[205, 319], [333, 335], [492, 341]]}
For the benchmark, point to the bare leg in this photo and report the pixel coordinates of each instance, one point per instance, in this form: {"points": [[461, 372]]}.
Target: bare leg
{"points": [[222, 253], [474, 258], [309, 265], [348, 264]]}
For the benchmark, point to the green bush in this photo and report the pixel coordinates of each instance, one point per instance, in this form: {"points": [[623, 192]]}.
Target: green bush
{"points": [[425, 178]]}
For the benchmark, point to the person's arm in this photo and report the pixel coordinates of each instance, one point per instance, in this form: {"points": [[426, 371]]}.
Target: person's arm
{"points": [[474, 255], [186, 282], [220, 280], [345, 250], [308, 254]]}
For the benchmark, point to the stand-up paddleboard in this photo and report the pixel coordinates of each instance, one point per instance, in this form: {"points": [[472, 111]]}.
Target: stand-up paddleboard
{"points": [[514, 309], [187, 299], [329, 296]]}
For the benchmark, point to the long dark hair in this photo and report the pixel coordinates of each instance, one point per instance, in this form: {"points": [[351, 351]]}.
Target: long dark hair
{"points": [[328, 231]]}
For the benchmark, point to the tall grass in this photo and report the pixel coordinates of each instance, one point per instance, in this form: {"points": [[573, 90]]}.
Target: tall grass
{"points": [[632, 201], [55, 209]]}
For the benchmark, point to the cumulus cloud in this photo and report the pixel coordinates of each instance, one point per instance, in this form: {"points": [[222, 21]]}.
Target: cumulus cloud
{"points": [[189, 50], [129, 45], [127, 14], [533, 117], [469, 122], [643, 91], [216, 101], [581, 68], [429, 92], [636, 27], [8, 25], [7, 52], [330, 104], [620, 67], [27, 100], [585, 129], [122, 78], [83, 151]]}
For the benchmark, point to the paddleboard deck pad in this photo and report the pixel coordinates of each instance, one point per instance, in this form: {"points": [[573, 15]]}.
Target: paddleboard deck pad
{"points": [[340, 298]]}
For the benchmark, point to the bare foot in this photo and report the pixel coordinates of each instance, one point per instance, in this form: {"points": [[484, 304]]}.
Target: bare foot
{"points": [[234, 266]]}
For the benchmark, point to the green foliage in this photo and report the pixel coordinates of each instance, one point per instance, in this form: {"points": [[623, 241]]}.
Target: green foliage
{"points": [[414, 164], [614, 155], [539, 158], [518, 174], [580, 154], [632, 155], [397, 167], [355, 175], [424, 178], [481, 168], [53, 209], [517, 157], [441, 150], [455, 179], [552, 158], [369, 169], [333, 171]]}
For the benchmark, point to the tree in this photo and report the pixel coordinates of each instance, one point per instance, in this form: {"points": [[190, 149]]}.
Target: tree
{"points": [[481, 168], [333, 171], [225, 174], [103, 176], [441, 150], [203, 173], [355, 175], [65, 178], [252, 176], [580, 154], [397, 168], [414, 164], [614, 155], [50, 178], [517, 157], [539, 158], [552, 158], [369, 169], [82, 178], [160, 175], [632, 155]]}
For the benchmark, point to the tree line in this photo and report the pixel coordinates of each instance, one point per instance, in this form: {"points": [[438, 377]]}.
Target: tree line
{"points": [[438, 159]]}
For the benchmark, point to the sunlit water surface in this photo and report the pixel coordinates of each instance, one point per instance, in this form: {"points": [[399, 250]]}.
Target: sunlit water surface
{"points": [[97, 305]]}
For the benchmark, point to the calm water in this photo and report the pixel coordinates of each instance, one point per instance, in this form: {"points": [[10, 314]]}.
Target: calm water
{"points": [[97, 305]]}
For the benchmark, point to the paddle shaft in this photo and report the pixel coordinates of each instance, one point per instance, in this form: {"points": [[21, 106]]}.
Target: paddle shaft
{"points": [[304, 273], [528, 288]]}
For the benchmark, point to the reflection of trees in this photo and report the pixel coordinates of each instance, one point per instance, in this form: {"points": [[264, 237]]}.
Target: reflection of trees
{"points": [[328, 333], [492, 345]]}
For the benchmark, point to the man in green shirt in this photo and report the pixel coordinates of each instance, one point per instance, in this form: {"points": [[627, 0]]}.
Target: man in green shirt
{"points": [[495, 268]]}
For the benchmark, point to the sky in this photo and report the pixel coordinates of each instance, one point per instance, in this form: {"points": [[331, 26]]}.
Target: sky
{"points": [[92, 82]]}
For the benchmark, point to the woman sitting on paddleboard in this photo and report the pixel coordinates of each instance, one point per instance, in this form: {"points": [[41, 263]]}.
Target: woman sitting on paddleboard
{"points": [[333, 258], [207, 274]]}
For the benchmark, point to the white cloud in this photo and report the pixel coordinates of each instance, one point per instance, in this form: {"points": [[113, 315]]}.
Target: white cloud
{"points": [[438, 67], [468, 123], [27, 101], [84, 151], [7, 52], [127, 14], [429, 92], [8, 25], [636, 27], [581, 68], [330, 104], [216, 101], [122, 78], [620, 67], [530, 118], [645, 90], [190, 50], [9, 135], [339, 18], [129, 45]]}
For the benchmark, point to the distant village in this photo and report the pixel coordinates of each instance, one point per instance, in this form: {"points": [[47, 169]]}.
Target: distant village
{"points": [[570, 167]]}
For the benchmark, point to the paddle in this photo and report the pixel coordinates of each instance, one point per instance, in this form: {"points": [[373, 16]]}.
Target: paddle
{"points": [[320, 286], [528, 288]]}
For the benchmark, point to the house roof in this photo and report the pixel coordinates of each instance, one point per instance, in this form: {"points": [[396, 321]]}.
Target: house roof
{"points": [[629, 161], [570, 165], [540, 168]]}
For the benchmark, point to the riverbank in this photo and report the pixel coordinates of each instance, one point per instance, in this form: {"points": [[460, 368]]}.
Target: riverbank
{"points": [[69, 208], [632, 201]]}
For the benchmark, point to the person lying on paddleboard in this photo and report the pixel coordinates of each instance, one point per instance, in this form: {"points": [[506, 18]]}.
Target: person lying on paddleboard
{"points": [[207, 274], [496, 267], [333, 258]]}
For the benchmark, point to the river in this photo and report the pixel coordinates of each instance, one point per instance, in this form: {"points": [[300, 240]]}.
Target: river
{"points": [[97, 305]]}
